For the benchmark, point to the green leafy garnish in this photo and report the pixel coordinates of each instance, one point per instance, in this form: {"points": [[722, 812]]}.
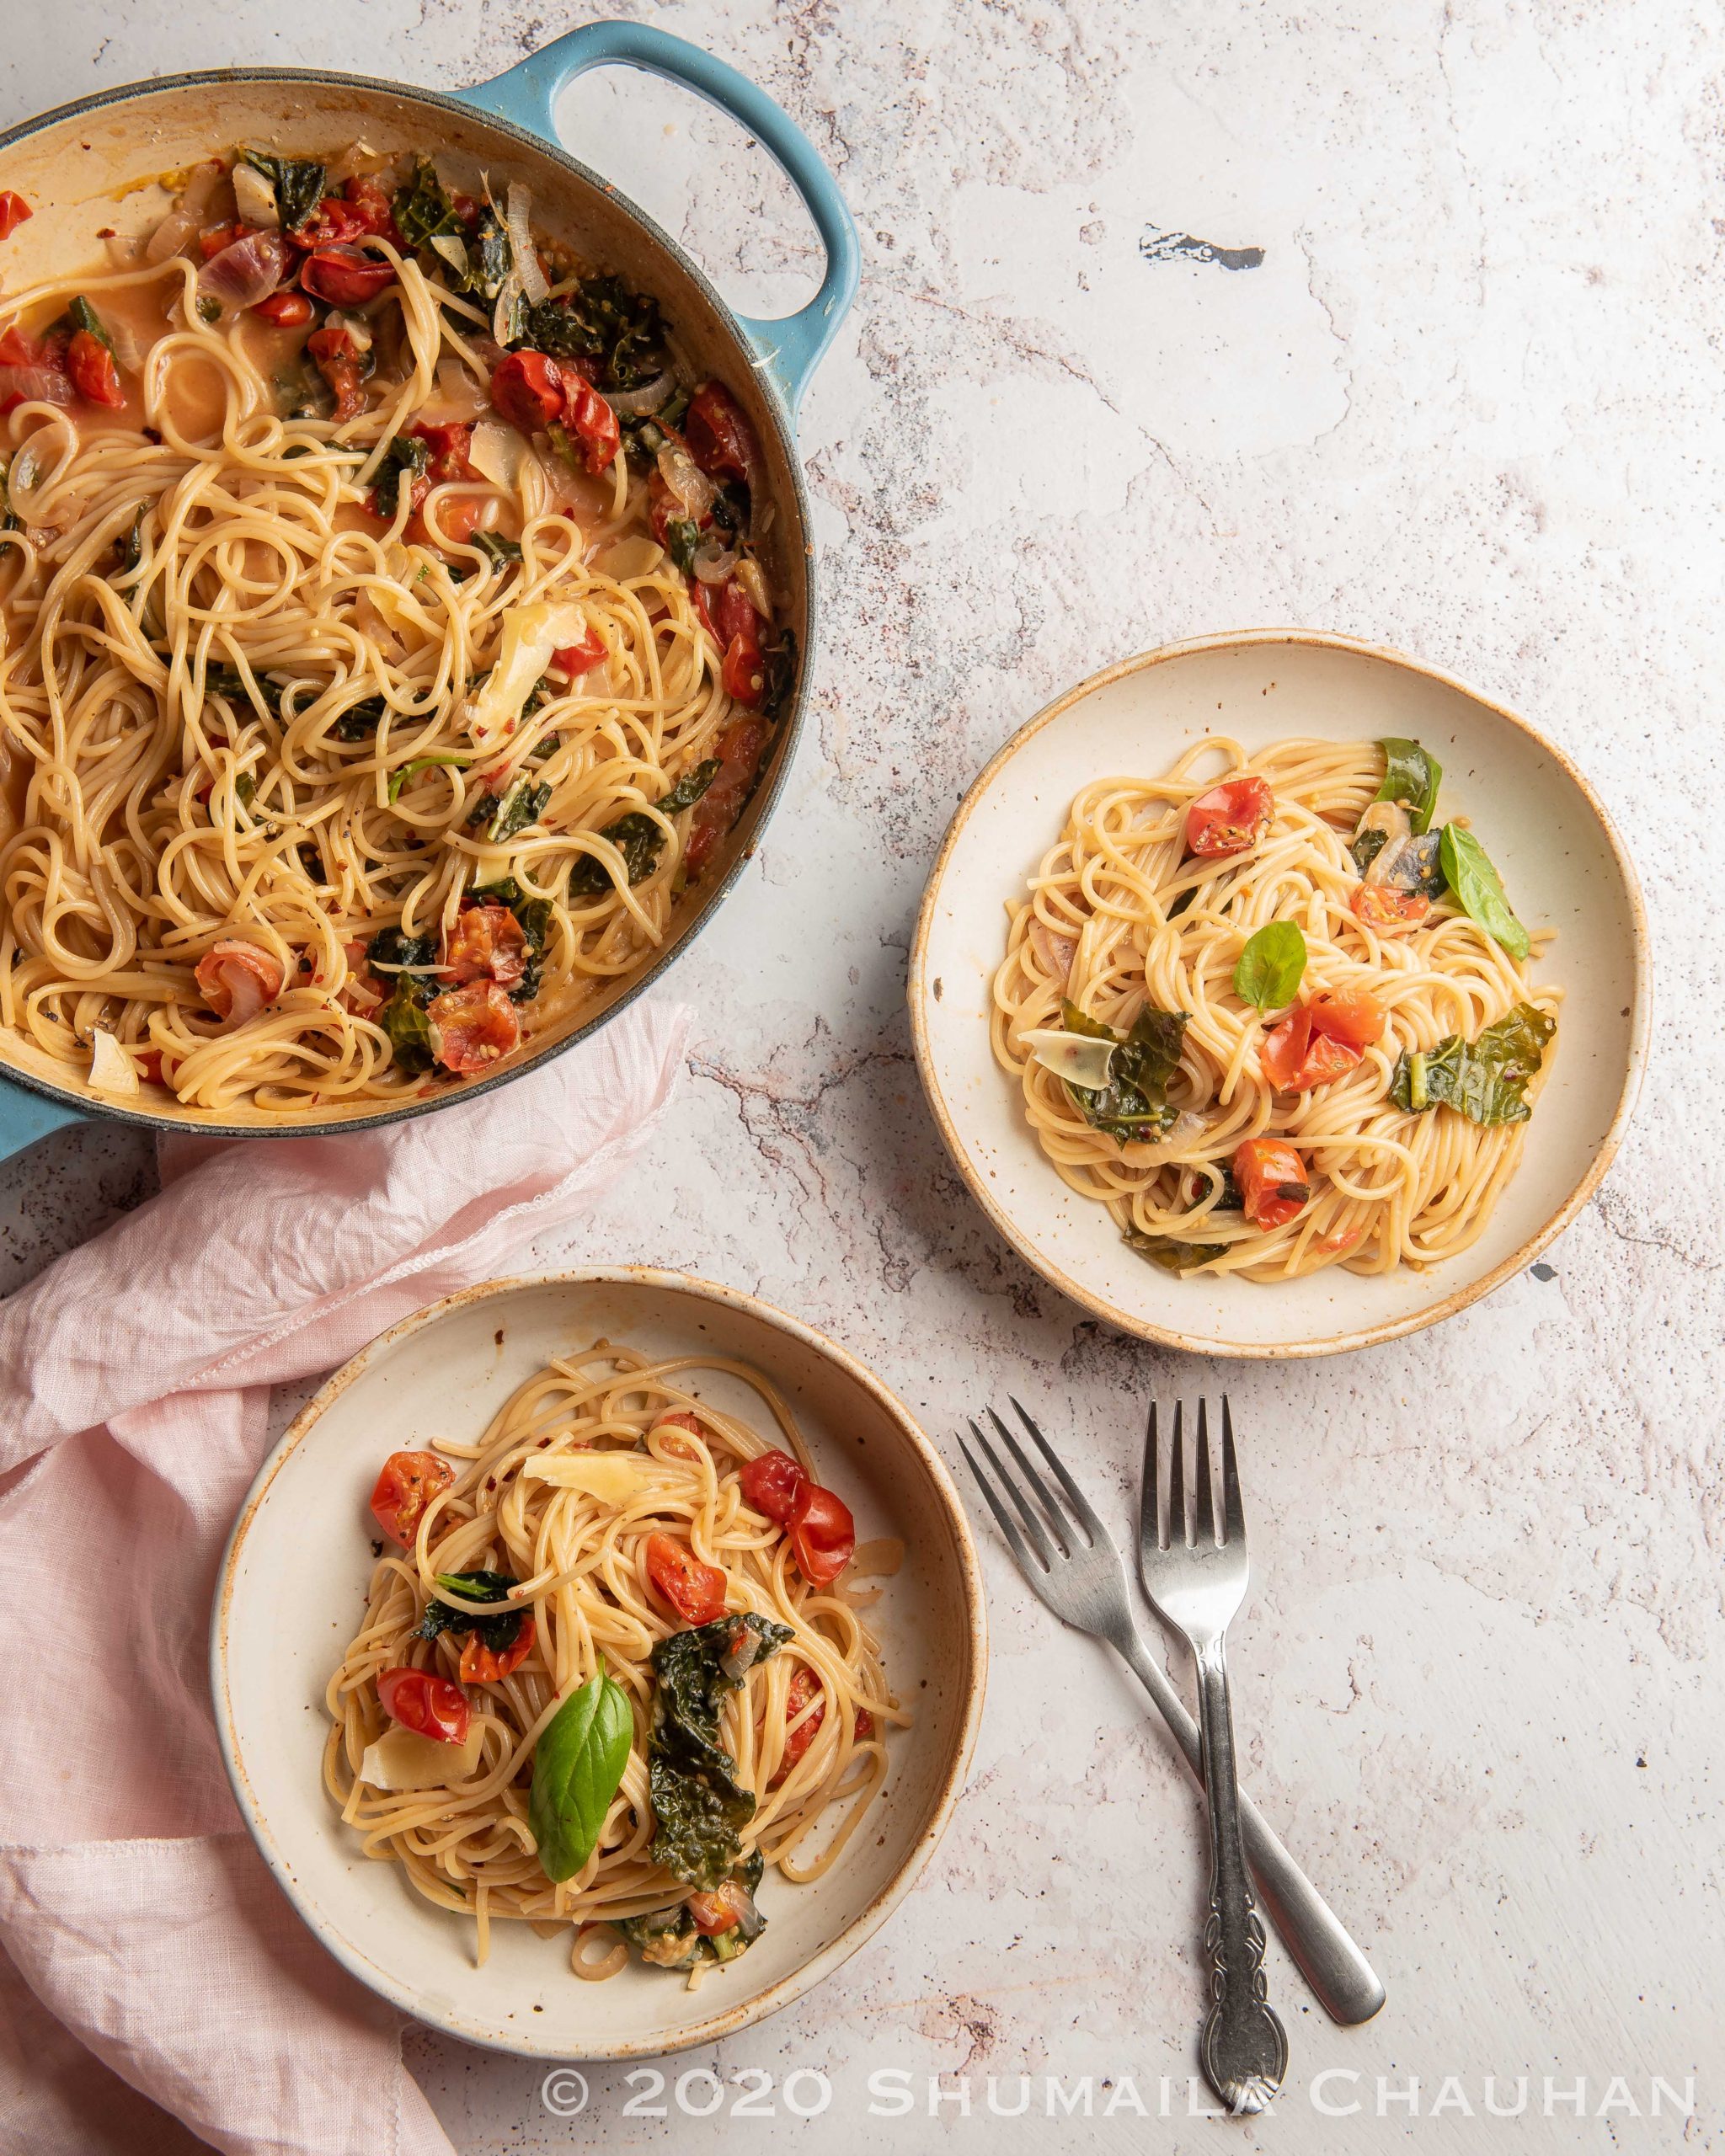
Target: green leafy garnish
{"points": [[411, 770], [699, 1807], [523, 804], [488, 255], [402, 1014], [245, 789], [360, 721], [499, 550], [1479, 890], [423, 210], [497, 1633], [406, 458], [10, 520], [82, 316], [638, 838], [209, 308], [1485, 1080], [578, 1763], [1412, 776], [682, 536], [1269, 969], [298, 182], [1135, 1101], [132, 547], [603, 320], [260, 691], [1168, 1252]]}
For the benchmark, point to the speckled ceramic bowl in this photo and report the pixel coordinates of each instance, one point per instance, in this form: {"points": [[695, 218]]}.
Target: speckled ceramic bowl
{"points": [[1563, 864], [293, 1583]]}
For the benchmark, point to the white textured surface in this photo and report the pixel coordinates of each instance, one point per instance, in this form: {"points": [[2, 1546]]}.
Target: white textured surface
{"points": [[1470, 403]]}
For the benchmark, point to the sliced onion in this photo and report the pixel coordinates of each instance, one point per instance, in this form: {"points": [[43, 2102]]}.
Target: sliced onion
{"points": [[713, 560], [353, 160], [35, 385], [1056, 952], [636, 403], [496, 451], [517, 219], [254, 198], [453, 251], [502, 325], [25, 480], [128, 350], [690, 486], [247, 272], [358, 329], [753, 585], [173, 235]]}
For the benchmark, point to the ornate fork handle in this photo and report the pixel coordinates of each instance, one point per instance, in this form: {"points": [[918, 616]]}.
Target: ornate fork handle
{"points": [[1244, 2048]]}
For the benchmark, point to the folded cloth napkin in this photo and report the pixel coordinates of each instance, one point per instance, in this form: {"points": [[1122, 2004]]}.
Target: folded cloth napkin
{"points": [[157, 1993]]}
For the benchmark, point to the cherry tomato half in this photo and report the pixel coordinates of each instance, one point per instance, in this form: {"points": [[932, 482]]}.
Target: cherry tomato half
{"points": [[345, 275], [805, 1689], [592, 422], [1272, 1180], [13, 209], [771, 1483], [285, 310], [726, 1906], [720, 438], [823, 1533], [429, 1705], [1354, 1014], [95, 375], [1232, 817], [1294, 1056], [694, 1590], [527, 390], [407, 1484], [1376, 906], [484, 1665]]}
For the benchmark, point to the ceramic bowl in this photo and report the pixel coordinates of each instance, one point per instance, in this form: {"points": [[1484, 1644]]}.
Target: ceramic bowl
{"points": [[293, 1585], [1564, 866]]}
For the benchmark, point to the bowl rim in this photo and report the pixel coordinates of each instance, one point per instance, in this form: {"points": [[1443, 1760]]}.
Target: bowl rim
{"points": [[972, 1687], [788, 729], [1166, 1336]]}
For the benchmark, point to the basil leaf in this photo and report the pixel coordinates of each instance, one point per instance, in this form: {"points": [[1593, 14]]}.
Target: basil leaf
{"points": [[1412, 776], [1479, 890], [1270, 967], [577, 1765], [1418, 866], [1135, 1101], [1486, 1082], [1365, 846]]}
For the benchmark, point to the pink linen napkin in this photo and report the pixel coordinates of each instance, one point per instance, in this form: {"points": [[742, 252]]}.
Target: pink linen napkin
{"points": [[155, 1984]]}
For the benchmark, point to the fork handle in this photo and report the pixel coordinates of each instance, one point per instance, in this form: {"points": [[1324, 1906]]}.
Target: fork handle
{"points": [[1345, 1982]]}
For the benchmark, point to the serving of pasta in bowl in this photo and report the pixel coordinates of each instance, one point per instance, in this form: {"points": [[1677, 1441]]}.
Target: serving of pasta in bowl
{"points": [[405, 601], [633, 1655], [1276, 993]]}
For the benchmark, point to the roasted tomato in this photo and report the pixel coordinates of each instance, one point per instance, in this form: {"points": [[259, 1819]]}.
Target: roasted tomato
{"points": [[527, 389], [1294, 1056], [487, 943], [725, 1906], [430, 1707], [362, 211], [237, 978], [448, 446], [694, 1590], [680, 1421], [823, 1534], [473, 1027], [338, 360], [1272, 1180], [592, 422], [484, 1665], [408, 1483], [13, 209], [805, 1687], [771, 1483], [739, 749], [744, 672], [1347, 1014], [219, 238], [1232, 817], [285, 310], [94, 371], [345, 275], [720, 439], [1388, 912], [576, 659], [726, 611]]}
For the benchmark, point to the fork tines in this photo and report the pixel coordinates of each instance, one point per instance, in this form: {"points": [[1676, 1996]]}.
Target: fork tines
{"points": [[1054, 1522], [1165, 1494]]}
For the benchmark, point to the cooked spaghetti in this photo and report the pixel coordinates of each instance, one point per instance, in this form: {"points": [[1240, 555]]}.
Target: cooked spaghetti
{"points": [[384, 641], [611, 1531], [1272, 1014]]}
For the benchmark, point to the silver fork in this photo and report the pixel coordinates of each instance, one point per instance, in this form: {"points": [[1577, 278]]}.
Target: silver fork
{"points": [[1065, 1552], [1194, 1572]]}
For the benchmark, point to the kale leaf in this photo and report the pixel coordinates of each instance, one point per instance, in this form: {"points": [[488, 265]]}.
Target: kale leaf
{"points": [[535, 917], [360, 721], [1135, 1101], [423, 210], [637, 838], [1168, 1252], [503, 817], [298, 182], [402, 1014], [406, 458], [497, 1633], [1486, 1082], [602, 320], [697, 1802]]}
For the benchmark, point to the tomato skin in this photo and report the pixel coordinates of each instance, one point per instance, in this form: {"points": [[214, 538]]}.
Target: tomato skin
{"points": [[823, 1534], [740, 747], [1295, 1057], [482, 1665], [744, 675], [771, 1483], [339, 363], [13, 209], [345, 275], [1272, 1180], [238, 978], [805, 1687], [1352, 1015], [474, 1026], [716, 1912], [450, 447], [487, 943], [406, 1484], [527, 390], [285, 310], [720, 439], [1232, 817], [94, 373], [1376, 906], [576, 659], [592, 422], [428, 1705], [220, 237], [694, 1590]]}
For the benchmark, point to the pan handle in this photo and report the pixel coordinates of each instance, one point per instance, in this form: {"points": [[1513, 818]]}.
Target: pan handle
{"points": [[790, 349], [26, 1115]]}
